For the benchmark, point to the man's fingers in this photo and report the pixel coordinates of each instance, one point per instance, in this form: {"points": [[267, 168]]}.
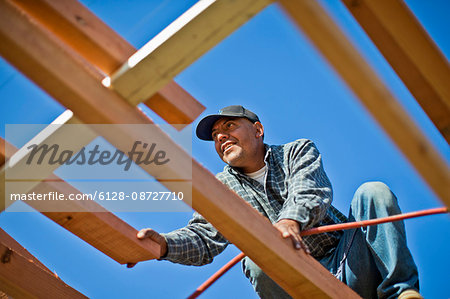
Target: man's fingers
{"points": [[155, 236], [147, 233], [291, 229], [297, 240], [288, 231], [295, 237], [142, 233], [283, 229], [305, 247]]}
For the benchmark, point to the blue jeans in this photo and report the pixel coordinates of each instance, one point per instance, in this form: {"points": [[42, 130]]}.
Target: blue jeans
{"points": [[374, 261]]}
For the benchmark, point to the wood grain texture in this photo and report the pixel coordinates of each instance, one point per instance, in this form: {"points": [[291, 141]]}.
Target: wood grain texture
{"points": [[325, 34], [298, 273], [9, 242], [23, 276], [101, 46], [411, 52], [301, 275], [17, 168], [5, 147], [96, 225], [194, 33], [91, 222]]}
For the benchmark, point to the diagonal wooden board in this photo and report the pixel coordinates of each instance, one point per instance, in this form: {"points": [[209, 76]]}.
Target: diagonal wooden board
{"points": [[8, 241], [23, 276], [299, 274], [59, 132], [372, 92], [96, 42], [411, 52], [91, 222], [194, 33]]}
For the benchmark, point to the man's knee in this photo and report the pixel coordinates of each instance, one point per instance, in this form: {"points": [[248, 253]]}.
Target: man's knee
{"points": [[374, 194], [264, 286], [252, 271]]}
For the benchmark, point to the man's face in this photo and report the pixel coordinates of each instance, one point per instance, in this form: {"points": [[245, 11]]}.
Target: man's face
{"points": [[238, 141]]}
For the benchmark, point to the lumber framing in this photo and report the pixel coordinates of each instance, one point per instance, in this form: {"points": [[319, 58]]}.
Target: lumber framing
{"points": [[55, 133], [8, 241], [5, 147], [195, 32], [97, 226], [299, 274], [373, 94], [101, 46], [412, 54], [91, 222], [23, 276]]}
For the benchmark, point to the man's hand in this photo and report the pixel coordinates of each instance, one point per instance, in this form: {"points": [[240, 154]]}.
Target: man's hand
{"points": [[291, 229], [154, 236]]}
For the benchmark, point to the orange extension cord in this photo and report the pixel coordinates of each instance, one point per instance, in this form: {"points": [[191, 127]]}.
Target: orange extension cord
{"points": [[319, 230]]}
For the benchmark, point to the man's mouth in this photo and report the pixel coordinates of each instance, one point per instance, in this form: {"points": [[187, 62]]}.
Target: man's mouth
{"points": [[226, 147]]}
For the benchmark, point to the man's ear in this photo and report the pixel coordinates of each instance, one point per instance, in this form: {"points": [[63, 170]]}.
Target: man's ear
{"points": [[259, 129]]}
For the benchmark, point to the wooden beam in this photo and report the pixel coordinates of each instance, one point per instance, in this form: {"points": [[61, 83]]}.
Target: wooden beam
{"points": [[90, 37], [411, 53], [96, 225], [83, 31], [91, 222], [68, 78], [191, 35], [5, 147], [23, 276], [299, 274], [368, 87], [175, 104], [8, 241], [58, 132]]}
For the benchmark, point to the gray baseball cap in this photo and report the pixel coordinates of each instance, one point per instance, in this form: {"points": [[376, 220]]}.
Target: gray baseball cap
{"points": [[204, 127]]}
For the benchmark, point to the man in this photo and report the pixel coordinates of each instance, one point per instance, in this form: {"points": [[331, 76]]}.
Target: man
{"points": [[288, 185]]}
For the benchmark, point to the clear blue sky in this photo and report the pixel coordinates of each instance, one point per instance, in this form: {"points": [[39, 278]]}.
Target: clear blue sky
{"points": [[269, 67]]}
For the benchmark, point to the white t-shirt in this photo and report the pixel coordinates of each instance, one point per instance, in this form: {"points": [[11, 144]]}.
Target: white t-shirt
{"points": [[258, 175]]}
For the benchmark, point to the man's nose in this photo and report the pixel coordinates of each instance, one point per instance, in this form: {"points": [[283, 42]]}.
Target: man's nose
{"points": [[221, 137]]}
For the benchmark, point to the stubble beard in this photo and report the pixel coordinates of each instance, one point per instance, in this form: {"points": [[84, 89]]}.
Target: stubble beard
{"points": [[233, 158]]}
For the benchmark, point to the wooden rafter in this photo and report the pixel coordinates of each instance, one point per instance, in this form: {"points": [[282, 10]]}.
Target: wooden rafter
{"points": [[181, 43], [23, 276], [8, 241], [412, 54], [5, 147], [381, 103], [96, 42], [96, 225], [90, 221], [299, 274], [54, 133]]}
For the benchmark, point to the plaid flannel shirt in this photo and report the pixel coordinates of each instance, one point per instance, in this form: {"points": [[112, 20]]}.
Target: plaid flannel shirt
{"points": [[296, 187]]}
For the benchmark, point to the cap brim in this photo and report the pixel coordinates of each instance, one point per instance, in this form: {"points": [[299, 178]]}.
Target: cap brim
{"points": [[204, 127]]}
